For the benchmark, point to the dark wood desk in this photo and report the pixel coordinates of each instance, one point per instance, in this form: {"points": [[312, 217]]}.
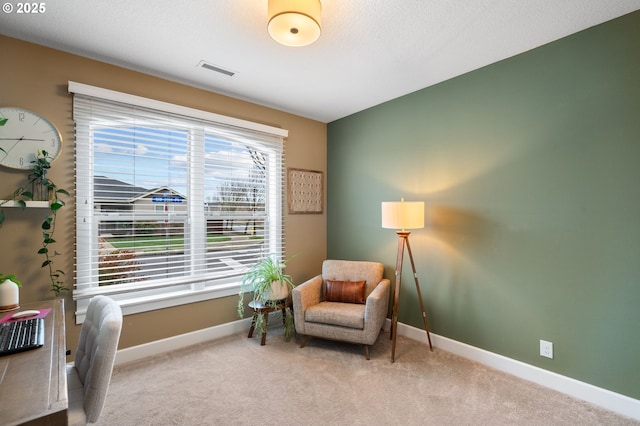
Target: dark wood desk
{"points": [[33, 384]]}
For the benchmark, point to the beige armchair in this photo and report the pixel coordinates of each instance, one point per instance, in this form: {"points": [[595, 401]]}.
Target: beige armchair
{"points": [[348, 302]]}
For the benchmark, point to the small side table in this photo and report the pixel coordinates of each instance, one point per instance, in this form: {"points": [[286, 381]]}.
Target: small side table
{"points": [[260, 308]]}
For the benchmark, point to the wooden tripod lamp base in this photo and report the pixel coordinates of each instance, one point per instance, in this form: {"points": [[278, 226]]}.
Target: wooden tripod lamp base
{"points": [[403, 240], [404, 215]]}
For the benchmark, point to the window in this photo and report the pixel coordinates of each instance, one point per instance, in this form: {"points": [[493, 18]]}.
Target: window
{"points": [[172, 203]]}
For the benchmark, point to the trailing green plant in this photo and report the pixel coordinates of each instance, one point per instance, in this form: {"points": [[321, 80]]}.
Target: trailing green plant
{"points": [[258, 279], [40, 187], [10, 277]]}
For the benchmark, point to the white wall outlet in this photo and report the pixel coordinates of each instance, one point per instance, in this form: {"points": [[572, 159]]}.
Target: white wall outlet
{"points": [[546, 349]]}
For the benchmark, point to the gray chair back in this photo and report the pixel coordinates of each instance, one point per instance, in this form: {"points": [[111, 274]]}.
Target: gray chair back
{"points": [[96, 353]]}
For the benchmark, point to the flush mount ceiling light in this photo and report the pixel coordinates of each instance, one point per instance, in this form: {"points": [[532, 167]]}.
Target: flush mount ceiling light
{"points": [[295, 22]]}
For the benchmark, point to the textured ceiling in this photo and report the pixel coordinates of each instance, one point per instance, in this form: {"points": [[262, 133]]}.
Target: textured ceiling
{"points": [[370, 51]]}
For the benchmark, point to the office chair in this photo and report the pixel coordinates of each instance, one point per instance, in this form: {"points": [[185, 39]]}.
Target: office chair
{"points": [[89, 376]]}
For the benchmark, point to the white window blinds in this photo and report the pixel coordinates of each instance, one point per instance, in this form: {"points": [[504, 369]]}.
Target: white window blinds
{"points": [[170, 200]]}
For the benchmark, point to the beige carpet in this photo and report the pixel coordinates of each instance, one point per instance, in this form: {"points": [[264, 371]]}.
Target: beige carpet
{"points": [[235, 381]]}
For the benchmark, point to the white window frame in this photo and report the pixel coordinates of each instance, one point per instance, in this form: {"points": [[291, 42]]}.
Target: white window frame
{"points": [[141, 297]]}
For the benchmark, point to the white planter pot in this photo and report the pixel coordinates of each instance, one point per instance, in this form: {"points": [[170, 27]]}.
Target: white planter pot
{"points": [[9, 296], [279, 290]]}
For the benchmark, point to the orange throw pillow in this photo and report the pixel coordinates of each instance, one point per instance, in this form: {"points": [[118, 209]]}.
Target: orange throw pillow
{"points": [[345, 291]]}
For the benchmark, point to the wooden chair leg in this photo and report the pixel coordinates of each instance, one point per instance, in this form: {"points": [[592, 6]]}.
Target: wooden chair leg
{"points": [[366, 352], [304, 341]]}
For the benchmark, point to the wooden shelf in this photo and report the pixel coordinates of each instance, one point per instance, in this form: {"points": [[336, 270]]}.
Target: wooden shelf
{"points": [[30, 204]]}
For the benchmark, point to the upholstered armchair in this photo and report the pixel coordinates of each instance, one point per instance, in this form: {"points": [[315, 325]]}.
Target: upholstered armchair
{"points": [[348, 302]]}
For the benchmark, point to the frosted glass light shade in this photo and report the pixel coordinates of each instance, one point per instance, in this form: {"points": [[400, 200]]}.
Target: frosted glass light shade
{"points": [[403, 214], [295, 22]]}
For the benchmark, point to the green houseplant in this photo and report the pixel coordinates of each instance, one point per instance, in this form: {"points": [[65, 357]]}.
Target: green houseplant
{"points": [[40, 187], [269, 285]]}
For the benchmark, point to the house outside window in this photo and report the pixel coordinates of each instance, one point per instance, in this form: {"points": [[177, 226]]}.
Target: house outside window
{"points": [[173, 204]]}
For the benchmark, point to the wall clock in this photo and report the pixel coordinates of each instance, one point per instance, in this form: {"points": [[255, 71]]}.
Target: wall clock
{"points": [[22, 134]]}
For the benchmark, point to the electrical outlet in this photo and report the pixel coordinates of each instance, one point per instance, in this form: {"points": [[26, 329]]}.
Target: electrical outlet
{"points": [[546, 349]]}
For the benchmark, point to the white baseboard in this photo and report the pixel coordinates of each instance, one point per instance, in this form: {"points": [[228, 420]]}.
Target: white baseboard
{"points": [[616, 402], [604, 398], [181, 341]]}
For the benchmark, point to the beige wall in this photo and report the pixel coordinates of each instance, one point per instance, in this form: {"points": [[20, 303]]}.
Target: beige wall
{"points": [[35, 77]]}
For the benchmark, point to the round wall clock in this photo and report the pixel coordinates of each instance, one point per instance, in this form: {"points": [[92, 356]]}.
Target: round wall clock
{"points": [[22, 134]]}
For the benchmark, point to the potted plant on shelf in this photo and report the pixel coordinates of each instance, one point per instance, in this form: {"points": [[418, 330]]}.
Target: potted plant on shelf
{"points": [[270, 286], [41, 188], [9, 292]]}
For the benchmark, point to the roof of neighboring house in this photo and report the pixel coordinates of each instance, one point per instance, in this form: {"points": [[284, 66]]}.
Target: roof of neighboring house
{"points": [[114, 190], [164, 190], [109, 190]]}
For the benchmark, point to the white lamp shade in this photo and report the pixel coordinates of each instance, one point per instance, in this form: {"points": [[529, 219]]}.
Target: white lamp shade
{"points": [[295, 22], [403, 214]]}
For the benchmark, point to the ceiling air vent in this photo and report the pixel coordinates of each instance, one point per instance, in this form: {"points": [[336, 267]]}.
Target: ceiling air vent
{"points": [[216, 68]]}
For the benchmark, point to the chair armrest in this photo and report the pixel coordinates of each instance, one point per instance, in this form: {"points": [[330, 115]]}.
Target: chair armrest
{"points": [[303, 296], [308, 293], [377, 304]]}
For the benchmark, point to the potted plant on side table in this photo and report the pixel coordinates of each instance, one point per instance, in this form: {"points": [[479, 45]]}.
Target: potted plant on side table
{"points": [[270, 287]]}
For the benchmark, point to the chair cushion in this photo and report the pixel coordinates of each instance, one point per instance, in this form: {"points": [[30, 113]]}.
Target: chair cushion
{"points": [[345, 291], [353, 270], [337, 313]]}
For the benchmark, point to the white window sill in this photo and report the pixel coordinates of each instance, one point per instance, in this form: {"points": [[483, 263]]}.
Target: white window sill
{"points": [[134, 305]]}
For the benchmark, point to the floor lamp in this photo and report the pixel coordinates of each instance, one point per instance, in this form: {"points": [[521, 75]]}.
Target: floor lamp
{"points": [[404, 215]]}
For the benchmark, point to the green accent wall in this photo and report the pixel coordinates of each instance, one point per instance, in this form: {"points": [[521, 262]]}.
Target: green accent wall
{"points": [[530, 173]]}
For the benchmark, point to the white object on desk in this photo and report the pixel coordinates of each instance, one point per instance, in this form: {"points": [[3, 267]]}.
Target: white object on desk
{"points": [[9, 296], [24, 314]]}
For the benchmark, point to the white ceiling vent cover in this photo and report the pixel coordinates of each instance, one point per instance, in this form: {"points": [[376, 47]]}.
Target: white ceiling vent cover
{"points": [[211, 67]]}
